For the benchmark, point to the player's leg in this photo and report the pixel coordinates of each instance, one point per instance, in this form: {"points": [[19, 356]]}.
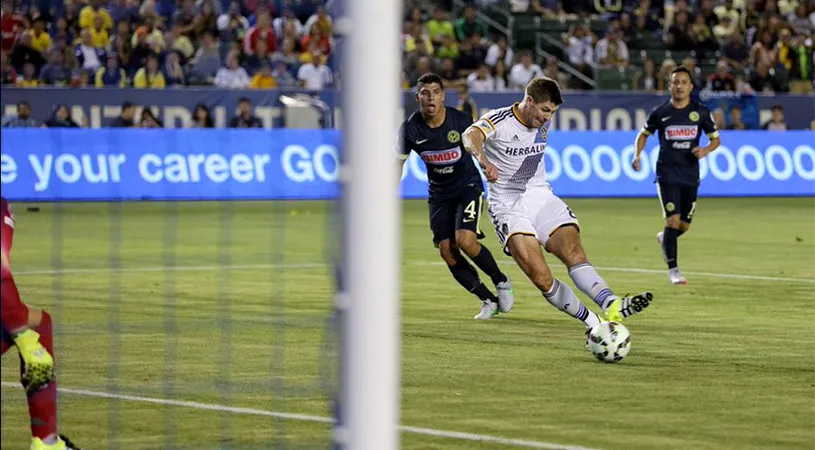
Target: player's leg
{"points": [[16, 317], [526, 252], [565, 243], [442, 224], [670, 196], [468, 232]]}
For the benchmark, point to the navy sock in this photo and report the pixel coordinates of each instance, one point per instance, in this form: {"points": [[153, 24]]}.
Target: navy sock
{"points": [[486, 262], [467, 277], [669, 245]]}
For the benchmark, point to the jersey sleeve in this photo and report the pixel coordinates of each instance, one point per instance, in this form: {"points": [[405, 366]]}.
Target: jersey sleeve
{"points": [[486, 124], [401, 146], [651, 124], [708, 125]]}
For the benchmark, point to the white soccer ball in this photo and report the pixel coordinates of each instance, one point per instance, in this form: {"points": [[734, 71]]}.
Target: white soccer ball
{"points": [[609, 341]]}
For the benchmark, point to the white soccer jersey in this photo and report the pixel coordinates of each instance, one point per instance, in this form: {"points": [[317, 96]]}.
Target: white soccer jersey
{"points": [[516, 150]]}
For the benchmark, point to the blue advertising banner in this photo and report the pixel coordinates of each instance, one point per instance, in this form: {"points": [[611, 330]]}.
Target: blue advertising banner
{"points": [[114, 164], [624, 111]]}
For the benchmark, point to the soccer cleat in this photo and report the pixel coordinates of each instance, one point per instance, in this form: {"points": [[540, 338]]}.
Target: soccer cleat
{"points": [[488, 310], [628, 306], [63, 443], [38, 364], [68, 444], [675, 277], [506, 298]]}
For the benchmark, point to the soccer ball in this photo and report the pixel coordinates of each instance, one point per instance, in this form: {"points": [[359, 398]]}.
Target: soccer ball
{"points": [[609, 341]]}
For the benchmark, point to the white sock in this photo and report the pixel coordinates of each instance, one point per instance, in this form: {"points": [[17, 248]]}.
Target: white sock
{"points": [[592, 284], [562, 297]]}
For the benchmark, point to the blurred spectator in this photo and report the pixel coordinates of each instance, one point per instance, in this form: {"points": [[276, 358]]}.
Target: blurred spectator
{"points": [[415, 21], [763, 80], [125, 10], [316, 38], [61, 118], [703, 40], [287, 54], [80, 78], [736, 122], [253, 63], [468, 59], [61, 36], [803, 66], [263, 79], [724, 29], [580, 50], [679, 35], [523, 72], [126, 117], [184, 18], [315, 75], [467, 25], [262, 31], [729, 11], [721, 80], [500, 76], [449, 48], [7, 73], [481, 80], [549, 9], [627, 28], [111, 75], [149, 120], [99, 34], [89, 57], [322, 20], [89, 13], [23, 118], [447, 72], [735, 53], [29, 78], [776, 123], [611, 50], [665, 69], [695, 74], [719, 119], [177, 41], [149, 35], [287, 26], [439, 27], [466, 104], [40, 39], [206, 62], [233, 76], [284, 78], [499, 51], [647, 79], [173, 72], [552, 70], [23, 53], [201, 117], [206, 19], [245, 118], [762, 52], [55, 72], [121, 44], [11, 25], [799, 21], [149, 76]]}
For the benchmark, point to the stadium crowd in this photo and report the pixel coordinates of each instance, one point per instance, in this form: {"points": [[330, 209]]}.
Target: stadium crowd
{"points": [[758, 45]]}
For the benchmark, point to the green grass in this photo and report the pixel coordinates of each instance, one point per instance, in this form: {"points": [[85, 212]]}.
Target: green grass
{"points": [[720, 363]]}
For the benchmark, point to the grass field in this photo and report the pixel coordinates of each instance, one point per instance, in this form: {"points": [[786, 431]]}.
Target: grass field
{"points": [[726, 362]]}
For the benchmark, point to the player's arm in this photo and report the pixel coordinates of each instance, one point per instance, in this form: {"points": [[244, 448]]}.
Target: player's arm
{"points": [[473, 142], [651, 126], [709, 127], [401, 148]]}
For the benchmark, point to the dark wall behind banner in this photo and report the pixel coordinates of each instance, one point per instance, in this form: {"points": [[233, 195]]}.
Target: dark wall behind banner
{"points": [[582, 111]]}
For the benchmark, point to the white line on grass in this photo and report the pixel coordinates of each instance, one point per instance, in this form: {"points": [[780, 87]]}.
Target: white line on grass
{"points": [[307, 418], [323, 265]]}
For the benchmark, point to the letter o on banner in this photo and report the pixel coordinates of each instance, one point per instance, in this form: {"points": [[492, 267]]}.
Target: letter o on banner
{"points": [[326, 173], [580, 152], [798, 157], [785, 172], [716, 171], [554, 167], [597, 163], [758, 159]]}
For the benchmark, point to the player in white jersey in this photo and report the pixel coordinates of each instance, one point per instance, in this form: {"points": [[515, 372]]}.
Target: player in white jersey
{"points": [[509, 144]]}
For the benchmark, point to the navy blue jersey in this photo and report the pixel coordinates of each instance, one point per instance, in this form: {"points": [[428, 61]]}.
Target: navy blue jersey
{"points": [[449, 168], [679, 132]]}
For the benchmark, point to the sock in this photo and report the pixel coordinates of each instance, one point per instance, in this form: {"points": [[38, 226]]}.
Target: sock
{"points": [[486, 262], [562, 297], [669, 246], [590, 283], [42, 404], [467, 277]]}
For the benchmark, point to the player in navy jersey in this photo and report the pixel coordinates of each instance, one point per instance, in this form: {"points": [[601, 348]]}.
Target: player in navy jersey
{"points": [[679, 124], [456, 193]]}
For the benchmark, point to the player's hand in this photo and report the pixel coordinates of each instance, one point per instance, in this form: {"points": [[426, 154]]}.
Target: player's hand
{"points": [[700, 152], [490, 171], [635, 164]]}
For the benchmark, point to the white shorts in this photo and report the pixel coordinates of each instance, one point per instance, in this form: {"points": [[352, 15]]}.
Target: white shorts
{"points": [[537, 212]]}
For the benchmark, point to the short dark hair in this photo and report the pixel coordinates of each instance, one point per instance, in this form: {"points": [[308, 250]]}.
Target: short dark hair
{"points": [[244, 100], [685, 70], [22, 103], [777, 108], [544, 89], [430, 78]]}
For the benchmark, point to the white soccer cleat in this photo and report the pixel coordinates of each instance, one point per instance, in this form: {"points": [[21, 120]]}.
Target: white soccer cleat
{"points": [[675, 277], [506, 298], [488, 310]]}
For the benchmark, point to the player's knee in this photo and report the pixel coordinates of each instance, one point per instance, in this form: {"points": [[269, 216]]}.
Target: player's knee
{"points": [[468, 242], [684, 226], [672, 221], [543, 281], [36, 317], [449, 252]]}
